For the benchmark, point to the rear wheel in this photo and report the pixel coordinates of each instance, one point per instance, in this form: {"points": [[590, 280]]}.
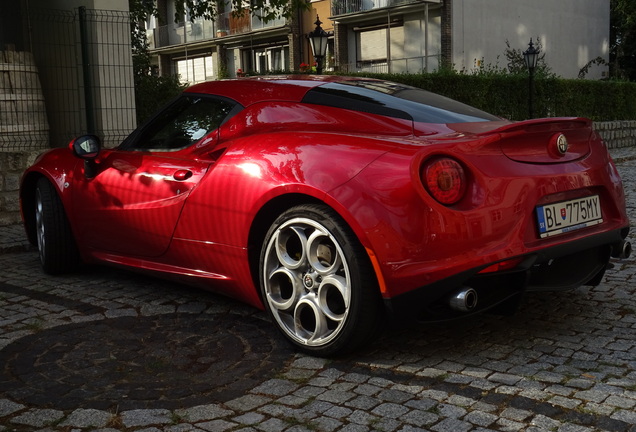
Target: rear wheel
{"points": [[56, 245], [317, 282]]}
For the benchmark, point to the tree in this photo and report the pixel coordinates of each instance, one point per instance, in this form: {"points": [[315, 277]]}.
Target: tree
{"points": [[623, 39], [151, 91], [266, 10], [517, 64]]}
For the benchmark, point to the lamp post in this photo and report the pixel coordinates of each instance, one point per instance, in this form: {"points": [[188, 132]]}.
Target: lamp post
{"points": [[318, 40], [530, 56]]}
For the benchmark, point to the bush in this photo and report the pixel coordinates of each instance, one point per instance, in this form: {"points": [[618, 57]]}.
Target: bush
{"points": [[506, 94], [153, 92]]}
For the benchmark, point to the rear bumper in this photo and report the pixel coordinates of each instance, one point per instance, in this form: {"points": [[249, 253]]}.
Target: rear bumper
{"points": [[562, 267]]}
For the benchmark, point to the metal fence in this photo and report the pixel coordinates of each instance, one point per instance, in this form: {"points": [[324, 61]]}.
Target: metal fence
{"points": [[75, 78], [411, 65], [226, 24]]}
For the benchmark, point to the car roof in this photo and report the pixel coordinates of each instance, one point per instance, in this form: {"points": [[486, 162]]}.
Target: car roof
{"points": [[246, 91]]}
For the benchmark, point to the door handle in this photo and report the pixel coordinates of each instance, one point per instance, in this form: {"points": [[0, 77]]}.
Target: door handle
{"points": [[182, 175]]}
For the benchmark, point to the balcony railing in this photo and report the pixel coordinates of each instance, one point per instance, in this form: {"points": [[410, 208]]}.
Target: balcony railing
{"points": [[198, 30], [341, 7], [411, 65]]}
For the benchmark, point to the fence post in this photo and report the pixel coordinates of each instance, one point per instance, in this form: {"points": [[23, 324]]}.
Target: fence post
{"points": [[86, 72]]}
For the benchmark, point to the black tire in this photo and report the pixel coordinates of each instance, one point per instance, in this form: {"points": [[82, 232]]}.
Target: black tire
{"points": [[317, 282], [56, 245]]}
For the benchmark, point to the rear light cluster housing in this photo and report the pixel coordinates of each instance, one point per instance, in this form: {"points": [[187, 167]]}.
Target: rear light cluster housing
{"points": [[445, 179]]}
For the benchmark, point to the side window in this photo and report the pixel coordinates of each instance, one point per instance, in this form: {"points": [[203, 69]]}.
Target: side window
{"points": [[182, 123]]}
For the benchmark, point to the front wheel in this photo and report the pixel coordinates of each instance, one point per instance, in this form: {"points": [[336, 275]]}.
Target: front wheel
{"points": [[56, 245], [317, 282]]}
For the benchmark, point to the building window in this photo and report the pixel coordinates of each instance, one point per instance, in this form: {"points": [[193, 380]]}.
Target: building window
{"points": [[263, 60], [373, 53], [195, 70]]}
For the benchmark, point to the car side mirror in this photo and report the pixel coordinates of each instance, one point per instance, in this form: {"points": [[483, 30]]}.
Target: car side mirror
{"points": [[87, 147]]}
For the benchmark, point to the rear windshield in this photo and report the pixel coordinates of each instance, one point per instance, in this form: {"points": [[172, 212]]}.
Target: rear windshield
{"points": [[395, 100]]}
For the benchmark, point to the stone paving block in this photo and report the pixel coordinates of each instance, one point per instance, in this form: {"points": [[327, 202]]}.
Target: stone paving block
{"points": [[354, 377], [338, 412], [367, 389], [620, 402], [508, 425], [515, 414], [85, 418], [380, 382], [309, 391], [459, 379], [184, 427], [565, 402], [391, 410], [451, 411], [434, 394], [275, 387], [336, 396], [247, 402], [203, 412], [319, 407], [363, 402], [250, 418], [8, 407], [452, 425], [146, 417], [627, 416], [293, 400], [217, 426], [354, 428], [321, 381], [326, 424], [298, 374], [387, 424], [480, 418], [420, 418], [38, 417], [392, 395]]}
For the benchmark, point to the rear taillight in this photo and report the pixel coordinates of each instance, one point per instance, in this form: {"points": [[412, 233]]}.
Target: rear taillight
{"points": [[444, 179]]}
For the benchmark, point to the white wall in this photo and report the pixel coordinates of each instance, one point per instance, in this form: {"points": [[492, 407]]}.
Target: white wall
{"points": [[572, 32]]}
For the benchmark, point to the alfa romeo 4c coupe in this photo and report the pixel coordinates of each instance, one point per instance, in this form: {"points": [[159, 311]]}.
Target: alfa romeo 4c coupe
{"points": [[335, 203]]}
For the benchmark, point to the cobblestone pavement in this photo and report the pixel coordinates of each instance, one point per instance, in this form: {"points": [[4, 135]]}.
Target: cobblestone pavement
{"points": [[110, 350]]}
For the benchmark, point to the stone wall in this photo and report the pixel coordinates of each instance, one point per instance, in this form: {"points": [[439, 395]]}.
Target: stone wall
{"points": [[617, 134], [12, 165]]}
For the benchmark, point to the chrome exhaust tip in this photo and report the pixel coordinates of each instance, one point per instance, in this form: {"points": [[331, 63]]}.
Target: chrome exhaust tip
{"points": [[464, 300], [622, 250]]}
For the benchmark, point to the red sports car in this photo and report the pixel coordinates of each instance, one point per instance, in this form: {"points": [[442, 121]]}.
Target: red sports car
{"points": [[332, 202]]}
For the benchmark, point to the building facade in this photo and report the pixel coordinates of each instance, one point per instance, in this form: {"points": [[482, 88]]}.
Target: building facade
{"points": [[390, 36], [199, 49]]}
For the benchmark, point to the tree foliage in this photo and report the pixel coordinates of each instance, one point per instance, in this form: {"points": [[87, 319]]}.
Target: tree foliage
{"points": [[517, 64], [623, 39], [151, 91], [266, 10]]}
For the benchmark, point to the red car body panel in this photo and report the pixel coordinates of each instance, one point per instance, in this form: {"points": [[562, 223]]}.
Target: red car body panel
{"points": [[191, 213]]}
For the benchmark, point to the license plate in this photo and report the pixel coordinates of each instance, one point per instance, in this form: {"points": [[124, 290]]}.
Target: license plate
{"points": [[566, 216]]}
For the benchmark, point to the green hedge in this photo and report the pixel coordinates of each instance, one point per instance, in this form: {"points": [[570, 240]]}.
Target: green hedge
{"points": [[506, 95]]}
